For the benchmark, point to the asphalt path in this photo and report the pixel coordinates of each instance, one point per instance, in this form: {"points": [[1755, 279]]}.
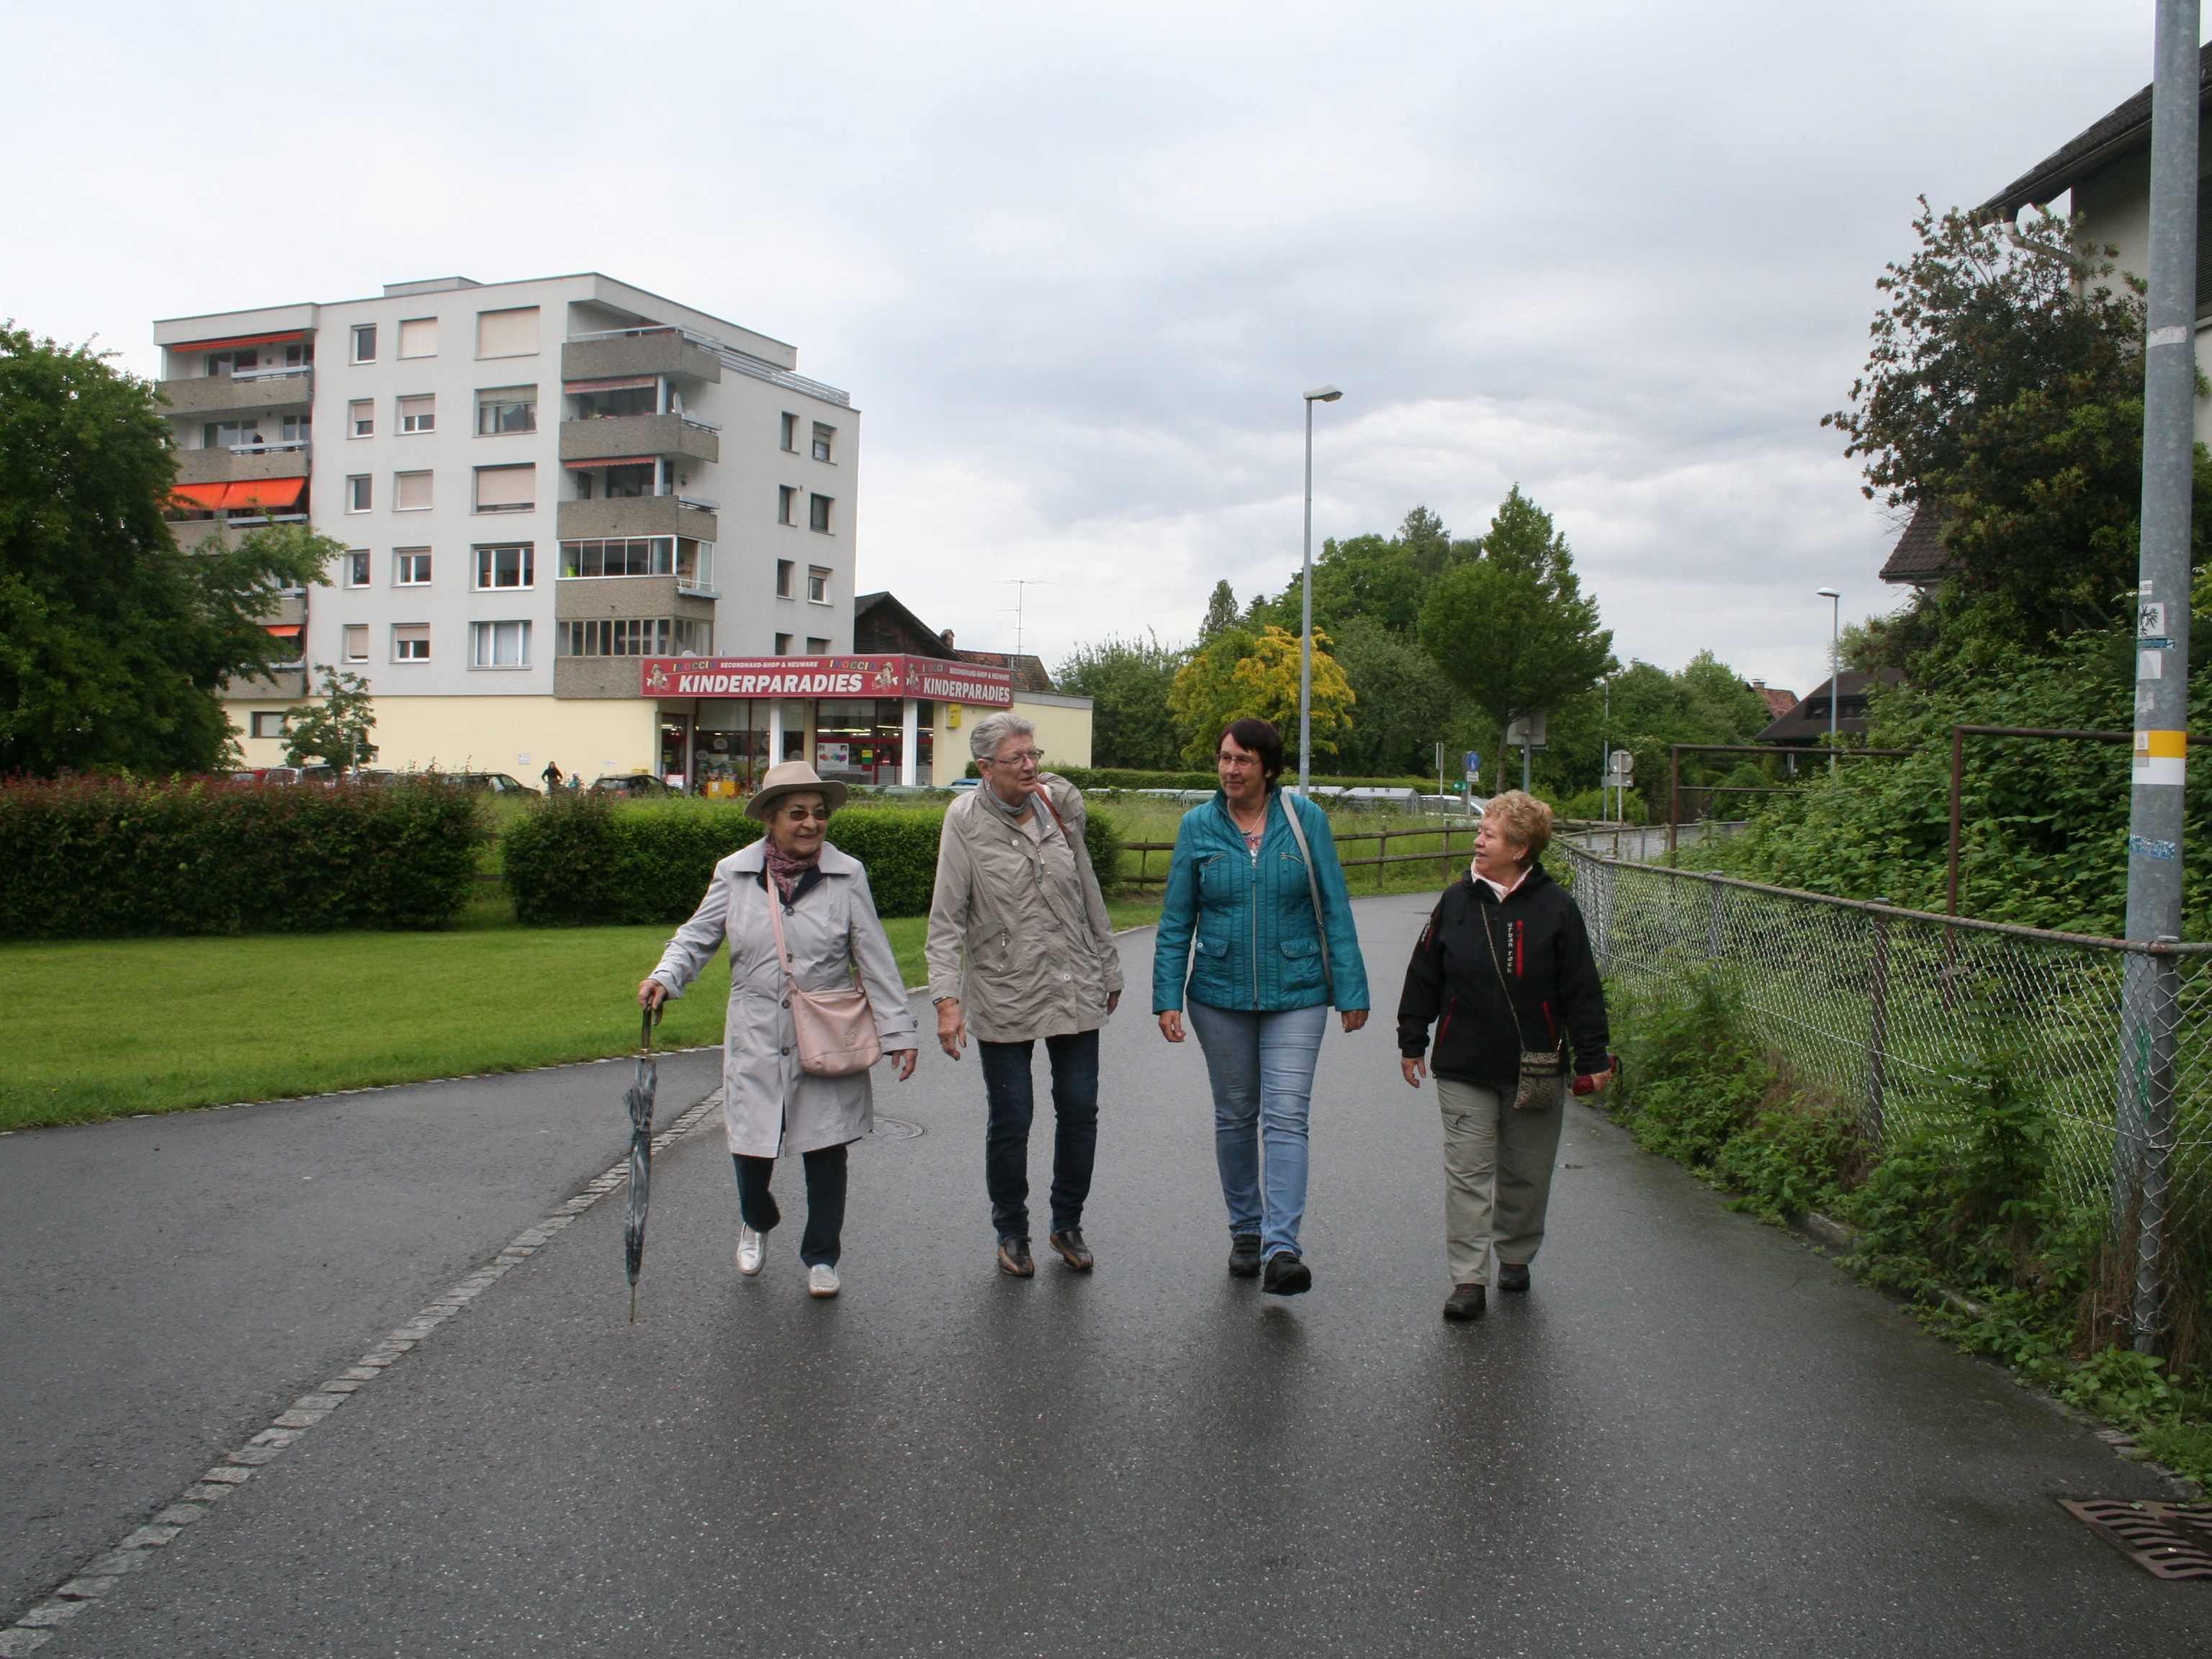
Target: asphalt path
{"points": [[1694, 1438]]}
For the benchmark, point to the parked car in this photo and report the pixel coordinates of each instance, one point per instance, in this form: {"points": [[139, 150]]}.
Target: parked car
{"points": [[629, 783], [494, 783], [961, 785], [267, 774]]}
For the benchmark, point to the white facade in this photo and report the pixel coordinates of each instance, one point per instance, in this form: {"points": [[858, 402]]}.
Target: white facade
{"points": [[491, 415]]}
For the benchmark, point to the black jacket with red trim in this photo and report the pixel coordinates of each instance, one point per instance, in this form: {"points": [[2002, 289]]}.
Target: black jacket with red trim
{"points": [[1550, 973]]}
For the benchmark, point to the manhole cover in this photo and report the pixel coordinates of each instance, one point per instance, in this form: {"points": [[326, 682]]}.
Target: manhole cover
{"points": [[894, 1128], [2166, 1540]]}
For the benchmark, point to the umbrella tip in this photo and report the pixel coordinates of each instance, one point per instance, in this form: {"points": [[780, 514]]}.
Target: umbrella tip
{"points": [[632, 1304]]}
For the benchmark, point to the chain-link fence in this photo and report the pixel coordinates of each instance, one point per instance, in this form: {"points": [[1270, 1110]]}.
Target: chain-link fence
{"points": [[1892, 1012]]}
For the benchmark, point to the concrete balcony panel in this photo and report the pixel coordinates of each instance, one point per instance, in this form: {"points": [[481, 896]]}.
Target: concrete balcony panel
{"points": [[198, 466], [663, 351], [596, 677], [635, 515], [285, 683], [219, 394], [581, 598], [616, 436]]}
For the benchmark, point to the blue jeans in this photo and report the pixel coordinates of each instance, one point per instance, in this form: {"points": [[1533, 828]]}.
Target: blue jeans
{"points": [[1012, 1097], [1262, 1067]]}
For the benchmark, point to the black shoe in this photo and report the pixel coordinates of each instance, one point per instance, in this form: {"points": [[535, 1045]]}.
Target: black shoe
{"points": [[1513, 1276], [1014, 1258], [1245, 1256], [1072, 1250], [1287, 1275], [1466, 1302]]}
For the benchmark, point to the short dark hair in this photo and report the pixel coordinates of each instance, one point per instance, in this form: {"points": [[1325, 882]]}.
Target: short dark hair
{"points": [[1257, 737]]}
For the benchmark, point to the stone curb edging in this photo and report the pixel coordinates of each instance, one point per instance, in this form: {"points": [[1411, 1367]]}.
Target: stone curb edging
{"points": [[99, 1575]]}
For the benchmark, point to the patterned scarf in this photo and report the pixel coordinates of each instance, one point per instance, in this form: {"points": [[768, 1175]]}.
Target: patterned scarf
{"points": [[785, 869]]}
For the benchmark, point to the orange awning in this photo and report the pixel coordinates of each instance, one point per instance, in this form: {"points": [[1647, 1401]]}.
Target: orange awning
{"points": [[615, 383], [233, 344], [258, 492], [206, 496], [613, 460], [284, 631]]}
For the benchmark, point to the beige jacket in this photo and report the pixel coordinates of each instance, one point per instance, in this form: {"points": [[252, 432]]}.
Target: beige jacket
{"points": [[1017, 927]]}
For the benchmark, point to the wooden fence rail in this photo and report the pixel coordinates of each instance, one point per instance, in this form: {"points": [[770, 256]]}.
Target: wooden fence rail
{"points": [[1382, 859]]}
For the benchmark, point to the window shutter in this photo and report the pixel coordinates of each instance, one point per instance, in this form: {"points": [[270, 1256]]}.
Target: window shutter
{"points": [[507, 486], [410, 491], [418, 337], [507, 333]]}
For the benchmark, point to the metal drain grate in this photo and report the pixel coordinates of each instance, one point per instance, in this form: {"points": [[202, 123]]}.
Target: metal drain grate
{"points": [[893, 1128], [2166, 1540]]}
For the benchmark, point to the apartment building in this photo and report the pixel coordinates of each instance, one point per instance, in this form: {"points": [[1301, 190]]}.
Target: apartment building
{"points": [[540, 485]]}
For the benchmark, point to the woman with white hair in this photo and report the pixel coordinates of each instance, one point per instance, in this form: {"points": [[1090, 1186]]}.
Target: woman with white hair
{"points": [[1020, 949]]}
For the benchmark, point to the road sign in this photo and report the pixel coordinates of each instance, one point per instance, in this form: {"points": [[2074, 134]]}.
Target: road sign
{"points": [[1526, 732], [1474, 761], [1623, 767]]}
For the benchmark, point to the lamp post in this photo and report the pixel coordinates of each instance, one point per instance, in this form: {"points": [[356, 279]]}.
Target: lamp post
{"points": [[1327, 394], [1835, 663]]}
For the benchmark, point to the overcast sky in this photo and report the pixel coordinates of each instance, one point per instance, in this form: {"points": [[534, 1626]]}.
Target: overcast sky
{"points": [[1077, 265]]}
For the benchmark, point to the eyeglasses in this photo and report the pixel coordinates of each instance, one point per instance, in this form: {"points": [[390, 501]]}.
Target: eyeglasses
{"points": [[800, 814], [1238, 762], [1019, 758]]}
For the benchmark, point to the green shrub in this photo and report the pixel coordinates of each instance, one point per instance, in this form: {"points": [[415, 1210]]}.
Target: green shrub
{"points": [[101, 858], [1087, 778], [585, 860]]}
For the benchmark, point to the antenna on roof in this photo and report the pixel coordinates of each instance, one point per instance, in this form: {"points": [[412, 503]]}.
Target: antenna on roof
{"points": [[1021, 586]]}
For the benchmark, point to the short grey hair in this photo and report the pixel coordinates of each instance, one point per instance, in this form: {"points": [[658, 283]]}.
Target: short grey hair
{"points": [[988, 735]]}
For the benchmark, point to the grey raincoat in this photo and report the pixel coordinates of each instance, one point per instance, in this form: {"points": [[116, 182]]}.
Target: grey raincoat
{"points": [[770, 1107]]}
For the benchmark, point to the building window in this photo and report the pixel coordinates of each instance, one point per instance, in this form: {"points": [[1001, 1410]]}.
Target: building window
{"points": [[507, 489], [418, 414], [356, 568], [509, 409], [791, 433], [296, 429], [300, 356], [411, 642], [783, 645], [817, 647], [358, 494], [824, 436], [783, 571], [512, 565], [786, 504], [232, 434], [512, 333], [364, 342], [818, 585], [625, 397], [354, 638], [411, 566], [818, 514], [615, 483], [690, 561], [410, 492], [222, 364], [635, 636], [418, 337], [360, 419], [272, 723], [499, 645]]}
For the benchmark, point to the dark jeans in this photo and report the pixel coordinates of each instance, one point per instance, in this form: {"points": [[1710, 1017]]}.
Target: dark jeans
{"points": [[825, 1201], [1013, 1103]]}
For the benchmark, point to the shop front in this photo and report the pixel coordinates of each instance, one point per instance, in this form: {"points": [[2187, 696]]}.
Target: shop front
{"points": [[873, 720]]}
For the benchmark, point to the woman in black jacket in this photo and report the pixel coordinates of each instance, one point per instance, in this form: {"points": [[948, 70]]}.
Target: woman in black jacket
{"points": [[1503, 966]]}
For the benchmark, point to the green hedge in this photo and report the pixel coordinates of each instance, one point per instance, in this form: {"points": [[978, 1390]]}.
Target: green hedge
{"points": [[99, 858], [585, 859]]}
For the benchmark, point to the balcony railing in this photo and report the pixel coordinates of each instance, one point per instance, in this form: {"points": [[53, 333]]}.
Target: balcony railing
{"points": [[270, 447], [703, 426], [278, 372], [729, 357]]}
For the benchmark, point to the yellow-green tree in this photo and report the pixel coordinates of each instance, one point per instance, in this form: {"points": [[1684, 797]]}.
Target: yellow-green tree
{"points": [[1240, 673]]}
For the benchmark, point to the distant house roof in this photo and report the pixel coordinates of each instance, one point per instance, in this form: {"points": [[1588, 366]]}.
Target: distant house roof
{"points": [[2124, 131], [1779, 702], [881, 623], [1806, 724], [1919, 559], [1029, 671]]}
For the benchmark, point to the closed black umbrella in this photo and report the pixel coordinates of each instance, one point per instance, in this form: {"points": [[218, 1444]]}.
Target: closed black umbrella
{"points": [[639, 1100]]}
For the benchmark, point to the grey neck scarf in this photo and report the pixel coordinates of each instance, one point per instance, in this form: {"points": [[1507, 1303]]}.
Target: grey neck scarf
{"points": [[991, 796]]}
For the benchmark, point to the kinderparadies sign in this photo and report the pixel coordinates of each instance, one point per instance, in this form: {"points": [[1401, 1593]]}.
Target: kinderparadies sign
{"points": [[827, 676]]}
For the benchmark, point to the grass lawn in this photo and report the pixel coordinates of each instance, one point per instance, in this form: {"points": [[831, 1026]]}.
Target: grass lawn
{"points": [[102, 1029]]}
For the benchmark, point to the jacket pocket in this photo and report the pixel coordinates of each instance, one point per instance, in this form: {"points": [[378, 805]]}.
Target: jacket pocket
{"points": [[1214, 949], [1301, 965]]}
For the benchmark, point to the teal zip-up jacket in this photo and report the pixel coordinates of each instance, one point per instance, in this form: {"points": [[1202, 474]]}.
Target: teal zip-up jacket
{"points": [[1252, 919]]}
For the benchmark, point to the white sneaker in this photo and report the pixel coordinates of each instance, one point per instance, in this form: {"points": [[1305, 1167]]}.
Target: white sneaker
{"points": [[821, 1280], [748, 1250]]}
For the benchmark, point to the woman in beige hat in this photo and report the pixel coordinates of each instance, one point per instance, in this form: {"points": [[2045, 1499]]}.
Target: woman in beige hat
{"points": [[769, 1105]]}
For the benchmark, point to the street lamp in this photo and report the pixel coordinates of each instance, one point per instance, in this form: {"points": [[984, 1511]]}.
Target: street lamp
{"points": [[1327, 394], [1835, 663]]}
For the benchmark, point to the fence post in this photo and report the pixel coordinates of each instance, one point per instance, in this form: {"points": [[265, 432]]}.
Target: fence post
{"points": [[1877, 1023], [2157, 1118], [1606, 874], [1382, 858], [1714, 922]]}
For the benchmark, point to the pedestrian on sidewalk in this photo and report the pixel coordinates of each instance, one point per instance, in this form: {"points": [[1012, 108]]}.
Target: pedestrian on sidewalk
{"points": [[1255, 884], [552, 774], [1020, 949], [1505, 973], [770, 1103]]}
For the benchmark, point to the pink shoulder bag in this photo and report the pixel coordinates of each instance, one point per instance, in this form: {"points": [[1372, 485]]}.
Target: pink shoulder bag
{"points": [[835, 1029]]}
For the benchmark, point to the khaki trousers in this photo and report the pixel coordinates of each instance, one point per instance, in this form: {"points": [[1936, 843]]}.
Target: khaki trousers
{"points": [[1498, 1177]]}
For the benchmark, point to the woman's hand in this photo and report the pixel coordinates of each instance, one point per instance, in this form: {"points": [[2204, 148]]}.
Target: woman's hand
{"points": [[1171, 1025], [652, 994], [951, 1027], [1354, 1018], [903, 1058], [1410, 1066]]}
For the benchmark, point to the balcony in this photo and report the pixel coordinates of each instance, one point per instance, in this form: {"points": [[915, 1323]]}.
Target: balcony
{"points": [[615, 437], [581, 599], [637, 351], [246, 464], [226, 394], [638, 515]]}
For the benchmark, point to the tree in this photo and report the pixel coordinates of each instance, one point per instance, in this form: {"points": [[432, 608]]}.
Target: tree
{"points": [[113, 641], [334, 732], [1128, 681], [1220, 612], [1405, 704], [1377, 579], [1511, 629], [1245, 674]]}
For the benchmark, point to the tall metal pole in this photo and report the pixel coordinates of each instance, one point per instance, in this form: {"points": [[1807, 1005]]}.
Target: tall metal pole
{"points": [[2154, 816], [1835, 665], [1306, 635]]}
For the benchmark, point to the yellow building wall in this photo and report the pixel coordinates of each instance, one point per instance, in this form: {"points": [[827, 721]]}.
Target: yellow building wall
{"points": [[586, 736], [1063, 734]]}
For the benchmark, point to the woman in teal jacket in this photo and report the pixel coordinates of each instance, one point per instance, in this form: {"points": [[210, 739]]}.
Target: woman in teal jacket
{"points": [[1260, 984]]}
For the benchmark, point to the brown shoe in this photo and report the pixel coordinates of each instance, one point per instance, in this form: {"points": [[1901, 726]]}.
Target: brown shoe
{"points": [[1466, 1302], [1072, 1250], [1014, 1258]]}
